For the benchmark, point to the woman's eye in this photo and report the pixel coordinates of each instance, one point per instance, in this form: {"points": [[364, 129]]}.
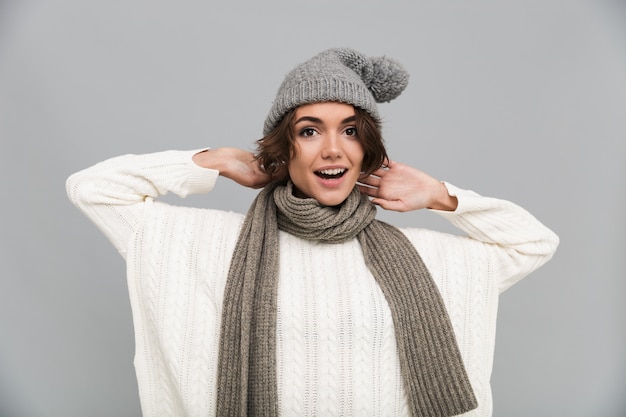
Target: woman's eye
{"points": [[351, 131], [308, 132]]}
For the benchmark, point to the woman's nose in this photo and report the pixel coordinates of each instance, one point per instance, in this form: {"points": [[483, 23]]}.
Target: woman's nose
{"points": [[331, 147]]}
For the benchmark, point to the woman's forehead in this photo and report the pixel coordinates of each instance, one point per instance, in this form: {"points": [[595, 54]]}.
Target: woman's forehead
{"points": [[326, 109]]}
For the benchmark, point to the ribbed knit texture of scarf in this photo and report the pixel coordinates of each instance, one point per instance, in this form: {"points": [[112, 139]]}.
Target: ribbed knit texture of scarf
{"points": [[433, 373]]}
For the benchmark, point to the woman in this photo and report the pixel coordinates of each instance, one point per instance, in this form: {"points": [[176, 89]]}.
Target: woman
{"points": [[308, 305]]}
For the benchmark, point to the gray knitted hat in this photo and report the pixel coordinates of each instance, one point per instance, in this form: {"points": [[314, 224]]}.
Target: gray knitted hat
{"points": [[342, 75]]}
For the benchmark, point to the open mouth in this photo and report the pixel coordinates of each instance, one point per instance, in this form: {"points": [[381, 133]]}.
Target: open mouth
{"points": [[329, 174]]}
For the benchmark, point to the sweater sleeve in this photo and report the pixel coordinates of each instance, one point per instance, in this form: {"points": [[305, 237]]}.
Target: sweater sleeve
{"points": [[519, 241], [114, 193]]}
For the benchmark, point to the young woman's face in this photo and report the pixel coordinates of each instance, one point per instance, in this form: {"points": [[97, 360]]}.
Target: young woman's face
{"points": [[328, 152]]}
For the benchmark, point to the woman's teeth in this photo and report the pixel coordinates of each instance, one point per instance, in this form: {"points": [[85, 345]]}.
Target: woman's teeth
{"points": [[331, 173]]}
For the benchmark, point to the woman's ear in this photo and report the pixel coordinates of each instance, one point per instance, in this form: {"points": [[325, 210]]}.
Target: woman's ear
{"points": [[282, 172]]}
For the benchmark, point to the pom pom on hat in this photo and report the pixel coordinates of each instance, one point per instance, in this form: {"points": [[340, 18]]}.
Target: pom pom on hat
{"points": [[342, 75], [389, 79]]}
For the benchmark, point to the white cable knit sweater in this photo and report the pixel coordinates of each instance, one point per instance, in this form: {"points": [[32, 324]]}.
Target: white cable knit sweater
{"points": [[335, 338]]}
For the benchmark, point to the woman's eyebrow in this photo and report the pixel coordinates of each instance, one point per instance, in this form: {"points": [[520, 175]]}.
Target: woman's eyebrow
{"points": [[309, 119], [318, 120]]}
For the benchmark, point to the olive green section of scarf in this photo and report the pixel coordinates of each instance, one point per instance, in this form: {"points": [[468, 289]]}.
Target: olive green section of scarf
{"points": [[434, 376]]}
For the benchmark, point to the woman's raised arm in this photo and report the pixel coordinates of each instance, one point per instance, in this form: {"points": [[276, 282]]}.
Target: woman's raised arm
{"points": [[114, 193]]}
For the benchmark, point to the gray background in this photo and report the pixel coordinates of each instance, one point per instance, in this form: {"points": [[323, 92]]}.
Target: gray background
{"points": [[520, 100]]}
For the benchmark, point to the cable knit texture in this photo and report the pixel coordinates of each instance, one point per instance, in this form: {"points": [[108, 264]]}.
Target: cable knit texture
{"points": [[336, 352]]}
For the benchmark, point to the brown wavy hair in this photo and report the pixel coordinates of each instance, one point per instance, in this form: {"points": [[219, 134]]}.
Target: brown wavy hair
{"points": [[277, 148]]}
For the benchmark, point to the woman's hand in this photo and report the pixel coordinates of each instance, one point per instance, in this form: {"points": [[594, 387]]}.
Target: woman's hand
{"points": [[237, 164], [399, 187]]}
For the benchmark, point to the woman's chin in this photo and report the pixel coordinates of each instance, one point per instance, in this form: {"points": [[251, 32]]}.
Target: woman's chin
{"points": [[327, 193], [332, 199]]}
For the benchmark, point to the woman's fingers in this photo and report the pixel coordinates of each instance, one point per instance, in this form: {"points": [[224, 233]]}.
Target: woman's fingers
{"points": [[369, 191], [370, 180]]}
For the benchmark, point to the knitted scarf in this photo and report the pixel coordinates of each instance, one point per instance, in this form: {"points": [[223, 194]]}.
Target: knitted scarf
{"points": [[433, 373]]}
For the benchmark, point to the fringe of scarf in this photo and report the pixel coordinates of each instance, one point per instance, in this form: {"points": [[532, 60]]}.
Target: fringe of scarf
{"points": [[433, 373]]}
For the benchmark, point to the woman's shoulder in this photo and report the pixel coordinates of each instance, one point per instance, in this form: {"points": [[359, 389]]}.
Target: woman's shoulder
{"points": [[192, 214], [431, 239], [194, 222]]}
